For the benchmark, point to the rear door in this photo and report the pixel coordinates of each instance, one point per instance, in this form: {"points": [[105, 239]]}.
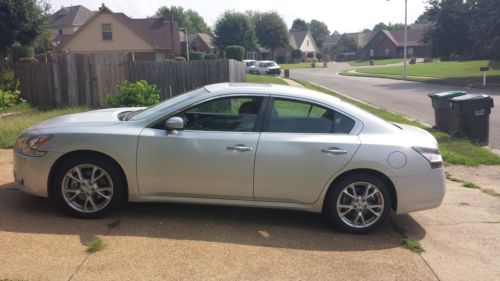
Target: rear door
{"points": [[301, 147]]}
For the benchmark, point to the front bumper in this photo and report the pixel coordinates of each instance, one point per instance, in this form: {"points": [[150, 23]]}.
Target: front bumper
{"points": [[275, 71], [420, 192], [31, 173]]}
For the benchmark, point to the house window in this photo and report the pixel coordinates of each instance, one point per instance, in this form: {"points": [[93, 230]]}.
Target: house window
{"points": [[107, 34], [372, 52], [386, 52], [410, 51]]}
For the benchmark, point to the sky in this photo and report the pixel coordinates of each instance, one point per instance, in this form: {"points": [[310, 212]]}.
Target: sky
{"points": [[340, 15]]}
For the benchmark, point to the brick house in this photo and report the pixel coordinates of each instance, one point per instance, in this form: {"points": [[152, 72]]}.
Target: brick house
{"points": [[390, 44], [301, 40], [198, 42]]}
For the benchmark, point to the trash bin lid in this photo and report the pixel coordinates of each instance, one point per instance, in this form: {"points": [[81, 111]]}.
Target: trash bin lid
{"points": [[447, 95], [470, 97]]}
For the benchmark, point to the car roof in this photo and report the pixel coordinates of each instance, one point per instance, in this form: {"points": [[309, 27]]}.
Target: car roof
{"points": [[267, 61]]}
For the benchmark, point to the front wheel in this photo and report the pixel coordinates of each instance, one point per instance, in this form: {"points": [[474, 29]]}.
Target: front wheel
{"points": [[359, 203], [88, 186]]}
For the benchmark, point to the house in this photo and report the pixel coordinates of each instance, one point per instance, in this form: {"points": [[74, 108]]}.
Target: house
{"points": [[198, 42], [390, 44], [106, 31], [67, 20], [301, 40]]}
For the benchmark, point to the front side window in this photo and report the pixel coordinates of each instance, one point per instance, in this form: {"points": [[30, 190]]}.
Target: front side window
{"points": [[235, 114], [291, 116], [107, 34]]}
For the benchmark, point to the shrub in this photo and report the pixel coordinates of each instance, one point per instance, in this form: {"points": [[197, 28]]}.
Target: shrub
{"points": [[27, 60], [234, 52], [9, 98], [7, 80], [196, 55], [180, 59], [319, 56], [210, 57], [310, 55], [139, 93], [296, 54], [281, 59], [314, 60], [19, 51]]}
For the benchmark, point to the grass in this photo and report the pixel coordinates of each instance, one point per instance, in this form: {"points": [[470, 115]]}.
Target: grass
{"points": [[252, 78], [297, 65], [26, 117], [95, 245], [449, 69], [375, 62], [412, 245], [456, 151], [468, 184], [491, 192]]}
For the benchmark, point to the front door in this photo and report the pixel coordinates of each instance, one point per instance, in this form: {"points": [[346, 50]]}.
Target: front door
{"points": [[213, 157]]}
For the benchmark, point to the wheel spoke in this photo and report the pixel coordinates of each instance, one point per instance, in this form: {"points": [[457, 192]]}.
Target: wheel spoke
{"points": [[79, 173], [78, 192], [373, 193], [92, 203], [103, 195], [366, 190], [377, 214], [70, 175], [363, 222], [353, 190]]}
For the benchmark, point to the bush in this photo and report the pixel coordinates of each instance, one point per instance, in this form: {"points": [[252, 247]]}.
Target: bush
{"points": [[9, 98], [210, 57], [319, 56], [310, 55], [27, 60], [196, 55], [281, 59], [296, 54], [7, 80], [139, 93], [234, 52], [180, 59], [19, 51]]}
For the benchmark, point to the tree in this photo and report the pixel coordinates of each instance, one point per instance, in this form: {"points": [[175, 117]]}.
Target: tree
{"points": [[299, 25], [271, 31], [189, 19], [345, 44], [234, 28], [484, 25], [319, 31], [21, 21], [390, 26], [379, 26]]}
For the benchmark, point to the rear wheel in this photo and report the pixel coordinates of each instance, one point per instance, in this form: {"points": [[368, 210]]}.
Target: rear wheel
{"points": [[88, 186], [359, 203]]}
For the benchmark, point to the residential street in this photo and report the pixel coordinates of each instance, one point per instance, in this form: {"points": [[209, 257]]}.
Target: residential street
{"points": [[405, 97]]}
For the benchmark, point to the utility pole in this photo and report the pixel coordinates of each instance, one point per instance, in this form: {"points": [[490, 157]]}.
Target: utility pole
{"points": [[405, 70], [186, 37]]}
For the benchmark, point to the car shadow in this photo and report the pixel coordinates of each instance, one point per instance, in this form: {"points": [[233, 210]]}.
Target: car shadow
{"points": [[22, 213]]}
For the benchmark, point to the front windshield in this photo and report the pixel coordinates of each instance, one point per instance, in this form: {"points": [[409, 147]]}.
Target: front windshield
{"points": [[164, 105], [271, 64]]}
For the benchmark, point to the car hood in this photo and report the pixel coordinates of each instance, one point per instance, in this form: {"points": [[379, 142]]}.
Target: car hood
{"points": [[417, 136], [274, 67], [102, 117]]}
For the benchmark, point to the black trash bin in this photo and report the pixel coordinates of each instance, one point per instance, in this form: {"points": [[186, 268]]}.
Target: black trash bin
{"points": [[472, 113], [445, 119]]}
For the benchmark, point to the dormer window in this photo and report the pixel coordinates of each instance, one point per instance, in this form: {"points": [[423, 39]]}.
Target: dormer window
{"points": [[107, 34]]}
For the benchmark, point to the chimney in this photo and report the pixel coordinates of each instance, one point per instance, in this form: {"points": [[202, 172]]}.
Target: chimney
{"points": [[168, 17]]}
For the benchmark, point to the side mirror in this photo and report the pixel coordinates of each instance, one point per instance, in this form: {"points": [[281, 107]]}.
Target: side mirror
{"points": [[174, 123]]}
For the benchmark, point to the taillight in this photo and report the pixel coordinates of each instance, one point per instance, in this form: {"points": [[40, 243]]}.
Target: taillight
{"points": [[432, 155]]}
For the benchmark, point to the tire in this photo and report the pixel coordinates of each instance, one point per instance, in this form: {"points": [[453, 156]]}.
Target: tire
{"points": [[93, 192], [358, 214]]}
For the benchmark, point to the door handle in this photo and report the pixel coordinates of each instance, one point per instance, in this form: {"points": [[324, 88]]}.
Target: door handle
{"points": [[334, 151], [240, 148]]}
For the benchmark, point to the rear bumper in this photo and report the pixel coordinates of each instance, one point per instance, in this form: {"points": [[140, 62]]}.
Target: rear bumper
{"points": [[31, 173], [420, 192]]}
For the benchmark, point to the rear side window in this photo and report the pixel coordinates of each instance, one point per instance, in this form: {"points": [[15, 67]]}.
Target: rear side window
{"points": [[291, 116]]}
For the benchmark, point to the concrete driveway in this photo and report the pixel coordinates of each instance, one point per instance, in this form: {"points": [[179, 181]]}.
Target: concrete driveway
{"points": [[176, 242], [405, 97]]}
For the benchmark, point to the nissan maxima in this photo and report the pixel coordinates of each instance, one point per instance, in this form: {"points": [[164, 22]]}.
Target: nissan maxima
{"points": [[252, 145]]}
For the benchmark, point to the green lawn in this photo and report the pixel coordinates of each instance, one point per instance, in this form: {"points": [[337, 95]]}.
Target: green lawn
{"points": [[457, 151], [252, 78], [24, 118], [449, 69], [375, 62], [297, 65]]}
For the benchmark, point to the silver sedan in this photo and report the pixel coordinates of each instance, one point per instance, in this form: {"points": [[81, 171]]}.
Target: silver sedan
{"points": [[235, 144]]}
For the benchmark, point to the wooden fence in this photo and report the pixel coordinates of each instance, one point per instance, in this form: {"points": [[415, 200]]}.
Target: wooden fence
{"points": [[86, 79]]}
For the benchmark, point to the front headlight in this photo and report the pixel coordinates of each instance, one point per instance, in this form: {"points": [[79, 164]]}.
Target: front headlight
{"points": [[29, 145]]}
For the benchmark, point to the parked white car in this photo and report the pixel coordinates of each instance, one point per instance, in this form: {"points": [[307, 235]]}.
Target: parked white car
{"points": [[268, 67], [250, 65]]}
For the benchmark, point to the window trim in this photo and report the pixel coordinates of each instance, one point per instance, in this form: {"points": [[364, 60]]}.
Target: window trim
{"points": [[258, 123], [102, 32], [265, 127]]}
